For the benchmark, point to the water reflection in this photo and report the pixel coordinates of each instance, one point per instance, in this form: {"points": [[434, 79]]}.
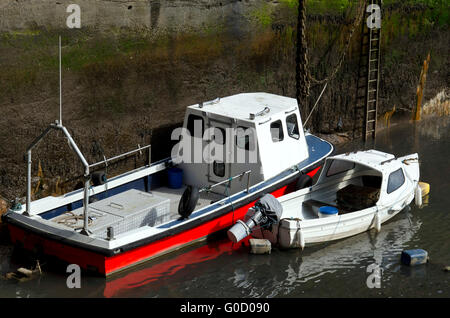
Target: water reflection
{"points": [[434, 127], [275, 275], [299, 268]]}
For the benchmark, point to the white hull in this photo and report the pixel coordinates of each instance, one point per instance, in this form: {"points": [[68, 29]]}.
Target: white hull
{"points": [[339, 227], [301, 224]]}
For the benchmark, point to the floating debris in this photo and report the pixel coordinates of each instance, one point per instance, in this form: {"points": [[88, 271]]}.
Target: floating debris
{"points": [[446, 269], [414, 257], [24, 274], [260, 246]]}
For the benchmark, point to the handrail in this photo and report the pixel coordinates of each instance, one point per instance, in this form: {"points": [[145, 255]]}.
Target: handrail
{"points": [[248, 172], [388, 160], [139, 149], [266, 110], [57, 125]]}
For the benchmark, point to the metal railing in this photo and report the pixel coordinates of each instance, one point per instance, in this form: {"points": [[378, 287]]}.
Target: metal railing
{"points": [[87, 166], [105, 162], [241, 175]]}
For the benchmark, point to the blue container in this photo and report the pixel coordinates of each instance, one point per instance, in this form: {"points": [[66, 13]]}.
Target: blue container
{"points": [[327, 211], [175, 178], [414, 257]]}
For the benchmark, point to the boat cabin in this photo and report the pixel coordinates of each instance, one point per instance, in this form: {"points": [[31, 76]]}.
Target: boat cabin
{"points": [[257, 132]]}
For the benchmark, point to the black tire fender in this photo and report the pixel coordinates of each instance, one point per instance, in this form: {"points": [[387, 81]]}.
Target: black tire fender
{"points": [[188, 201], [93, 199], [98, 178], [304, 181]]}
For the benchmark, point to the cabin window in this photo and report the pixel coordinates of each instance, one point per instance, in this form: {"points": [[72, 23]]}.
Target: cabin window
{"points": [[220, 138], [245, 138], [339, 166], [193, 121], [276, 130], [396, 180], [219, 169], [292, 126]]}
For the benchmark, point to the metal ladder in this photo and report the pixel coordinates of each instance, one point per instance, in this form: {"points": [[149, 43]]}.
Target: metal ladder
{"points": [[373, 78], [369, 76]]}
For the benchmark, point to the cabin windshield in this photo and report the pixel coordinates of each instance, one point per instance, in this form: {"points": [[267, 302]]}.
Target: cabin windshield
{"points": [[339, 166]]}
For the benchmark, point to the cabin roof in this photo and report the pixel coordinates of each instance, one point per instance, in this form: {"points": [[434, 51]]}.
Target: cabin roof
{"points": [[240, 106], [373, 158]]}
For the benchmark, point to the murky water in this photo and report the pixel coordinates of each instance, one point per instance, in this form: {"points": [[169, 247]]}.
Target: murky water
{"points": [[337, 269]]}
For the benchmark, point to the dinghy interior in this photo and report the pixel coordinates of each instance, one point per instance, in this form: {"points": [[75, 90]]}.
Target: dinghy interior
{"points": [[352, 182]]}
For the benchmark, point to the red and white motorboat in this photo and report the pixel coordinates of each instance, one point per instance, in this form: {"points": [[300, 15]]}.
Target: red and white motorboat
{"points": [[163, 206]]}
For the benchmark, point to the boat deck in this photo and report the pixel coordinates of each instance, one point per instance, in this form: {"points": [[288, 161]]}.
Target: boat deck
{"points": [[131, 209], [174, 195]]}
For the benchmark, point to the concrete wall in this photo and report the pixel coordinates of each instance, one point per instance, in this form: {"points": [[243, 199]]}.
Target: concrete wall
{"points": [[103, 14]]}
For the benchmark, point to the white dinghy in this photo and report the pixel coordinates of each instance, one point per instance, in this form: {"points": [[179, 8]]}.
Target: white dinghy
{"points": [[355, 192]]}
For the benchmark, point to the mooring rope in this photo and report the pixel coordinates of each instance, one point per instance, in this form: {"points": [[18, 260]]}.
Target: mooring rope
{"points": [[304, 76], [358, 19]]}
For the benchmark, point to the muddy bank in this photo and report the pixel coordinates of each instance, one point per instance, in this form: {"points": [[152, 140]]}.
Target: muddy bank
{"points": [[128, 86]]}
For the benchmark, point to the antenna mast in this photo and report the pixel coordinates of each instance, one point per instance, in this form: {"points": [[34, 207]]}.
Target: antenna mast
{"points": [[60, 84]]}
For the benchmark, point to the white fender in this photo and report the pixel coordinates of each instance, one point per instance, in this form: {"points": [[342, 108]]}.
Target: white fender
{"points": [[418, 196], [377, 222], [301, 239]]}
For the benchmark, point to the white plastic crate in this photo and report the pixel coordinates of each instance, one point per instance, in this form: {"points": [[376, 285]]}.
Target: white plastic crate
{"points": [[123, 212]]}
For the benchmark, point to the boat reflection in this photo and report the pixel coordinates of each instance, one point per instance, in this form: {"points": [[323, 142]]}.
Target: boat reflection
{"points": [[274, 275], [153, 272]]}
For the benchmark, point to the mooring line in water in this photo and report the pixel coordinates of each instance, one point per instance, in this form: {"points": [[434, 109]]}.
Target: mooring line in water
{"points": [[317, 102]]}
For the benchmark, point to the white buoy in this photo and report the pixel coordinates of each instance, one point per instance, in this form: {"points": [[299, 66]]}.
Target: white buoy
{"points": [[377, 222], [425, 187], [418, 196], [260, 246], [301, 239]]}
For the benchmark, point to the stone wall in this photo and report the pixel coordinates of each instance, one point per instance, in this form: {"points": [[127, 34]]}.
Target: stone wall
{"points": [[104, 14]]}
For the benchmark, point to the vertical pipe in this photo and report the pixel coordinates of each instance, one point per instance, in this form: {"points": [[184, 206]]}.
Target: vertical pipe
{"points": [[149, 156], [60, 84], [28, 182], [86, 206]]}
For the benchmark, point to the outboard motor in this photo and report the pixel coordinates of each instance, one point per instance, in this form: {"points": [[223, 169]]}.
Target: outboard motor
{"points": [[268, 212]]}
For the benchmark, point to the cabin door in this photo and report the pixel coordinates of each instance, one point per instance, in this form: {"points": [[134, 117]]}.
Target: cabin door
{"points": [[219, 152]]}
